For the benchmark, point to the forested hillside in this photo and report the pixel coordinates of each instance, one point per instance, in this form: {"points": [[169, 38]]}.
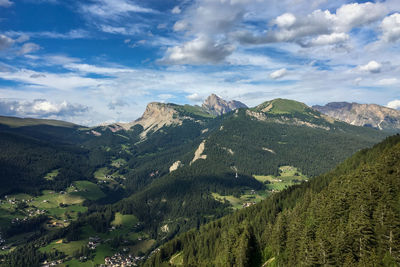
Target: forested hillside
{"points": [[140, 184], [347, 217]]}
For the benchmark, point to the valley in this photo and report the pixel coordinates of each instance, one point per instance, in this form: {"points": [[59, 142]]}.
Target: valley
{"points": [[117, 193]]}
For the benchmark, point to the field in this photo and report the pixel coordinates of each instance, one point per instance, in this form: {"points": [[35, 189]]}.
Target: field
{"points": [[124, 220], [288, 176], [237, 203], [87, 190], [61, 207]]}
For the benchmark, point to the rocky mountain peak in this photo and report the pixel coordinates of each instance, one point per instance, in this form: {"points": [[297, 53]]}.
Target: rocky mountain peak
{"points": [[156, 116], [217, 106], [370, 115]]}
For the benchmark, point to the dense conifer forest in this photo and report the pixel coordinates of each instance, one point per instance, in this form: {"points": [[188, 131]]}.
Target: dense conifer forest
{"points": [[347, 217]]}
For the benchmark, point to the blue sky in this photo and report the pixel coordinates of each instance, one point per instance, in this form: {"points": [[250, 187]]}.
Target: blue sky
{"points": [[97, 61]]}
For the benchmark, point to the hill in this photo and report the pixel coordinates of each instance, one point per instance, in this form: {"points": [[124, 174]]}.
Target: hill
{"points": [[347, 217]]}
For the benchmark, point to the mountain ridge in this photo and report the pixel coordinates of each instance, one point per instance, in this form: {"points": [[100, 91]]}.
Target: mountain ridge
{"points": [[371, 115]]}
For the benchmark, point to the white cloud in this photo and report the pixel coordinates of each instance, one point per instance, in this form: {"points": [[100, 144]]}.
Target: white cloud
{"points": [[113, 30], [278, 74], [113, 9], [5, 42], [388, 81], [23, 38], [28, 48], [372, 67], [86, 68], [328, 39], [72, 34], [285, 21], [180, 25], [176, 10], [355, 14], [63, 81], [201, 50], [390, 27], [40, 108], [395, 104], [195, 97], [5, 3]]}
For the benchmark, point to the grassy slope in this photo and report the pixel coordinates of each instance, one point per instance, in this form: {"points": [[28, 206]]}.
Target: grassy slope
{"points": [[15, 122]]}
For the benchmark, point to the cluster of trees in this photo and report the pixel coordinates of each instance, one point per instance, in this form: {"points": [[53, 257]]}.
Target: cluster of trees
{"points": [[314, 151], [348, 217]]}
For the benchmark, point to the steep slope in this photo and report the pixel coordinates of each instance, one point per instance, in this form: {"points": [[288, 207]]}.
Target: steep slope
{"points": [[369, 115], [224, 160], [214, 160], [159, 115], [348, 217], [218, 106]]}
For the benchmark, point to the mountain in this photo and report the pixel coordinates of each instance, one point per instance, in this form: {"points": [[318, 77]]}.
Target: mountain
{"points": [[218, 106], [370, 115], [175, 168], [347, 217], [159, 115]]}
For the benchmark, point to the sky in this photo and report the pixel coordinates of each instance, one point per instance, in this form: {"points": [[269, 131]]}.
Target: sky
{"points": [[101, 61]]}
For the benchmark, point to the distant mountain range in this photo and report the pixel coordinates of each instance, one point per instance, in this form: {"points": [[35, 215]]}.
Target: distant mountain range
{"points": [[176, 167], [370, 115]]}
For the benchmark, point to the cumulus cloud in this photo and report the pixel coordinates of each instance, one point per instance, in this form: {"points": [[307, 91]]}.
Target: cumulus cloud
{"points": [[278, 74], [176, 10], [194, 97], [5, 3], [355, 14], [28, 48], [390, 27], [5, 42], [372, 67], [228, 22], [201, 50], [285, 21], [318, 28], [395, 104], [328, 39], [40, 108]]}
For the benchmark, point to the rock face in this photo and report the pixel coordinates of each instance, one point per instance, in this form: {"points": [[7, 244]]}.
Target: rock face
{"points": [[218, 106], [156, 116], [369, 115], [175, 166]]}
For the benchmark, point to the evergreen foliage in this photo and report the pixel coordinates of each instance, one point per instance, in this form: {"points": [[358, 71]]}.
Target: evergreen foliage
{"points": [[347, 217]]}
